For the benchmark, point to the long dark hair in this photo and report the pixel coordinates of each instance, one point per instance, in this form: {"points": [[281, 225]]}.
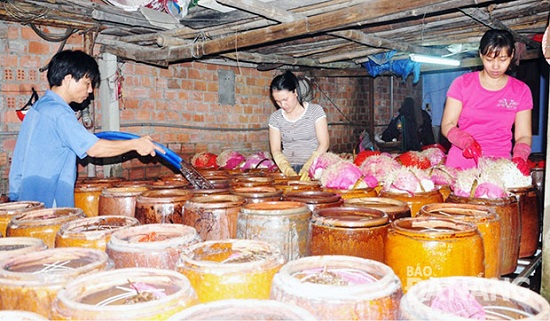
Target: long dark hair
{"points": [[287, 81], [76, 63], [495, 41]]}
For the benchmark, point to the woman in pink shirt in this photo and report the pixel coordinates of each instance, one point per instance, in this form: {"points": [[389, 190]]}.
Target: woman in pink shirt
{"points": [[482, 107]]}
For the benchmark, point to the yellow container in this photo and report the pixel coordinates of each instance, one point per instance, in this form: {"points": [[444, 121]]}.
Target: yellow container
{"points": [[243, 309], [487, 222], [419, 248], [284, 224], [91, 232], [338, 287], [231, 269], [507, 208], [43, 223], [125, 294], [14, 246], [86, 196], [11, 209], [150, 245], [31, 281]]}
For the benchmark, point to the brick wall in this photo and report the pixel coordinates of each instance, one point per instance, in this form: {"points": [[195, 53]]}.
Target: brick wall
{"points": [[178, 106]]}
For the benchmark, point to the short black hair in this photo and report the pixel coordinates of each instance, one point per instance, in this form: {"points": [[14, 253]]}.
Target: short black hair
{"points": [[76, 63]]}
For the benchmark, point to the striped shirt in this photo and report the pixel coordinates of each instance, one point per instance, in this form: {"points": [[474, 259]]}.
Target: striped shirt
{"points": [[298, 137]]}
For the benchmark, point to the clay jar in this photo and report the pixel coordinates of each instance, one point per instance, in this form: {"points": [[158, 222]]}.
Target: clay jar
{"points": [[395, 208], [43, 223], [11, 209], [91, 232], [416, 201], [125, 294], [161, 206], [499, 299], [295, 185], [151, 245], [507, 208], [315, 200], [119, 200], [243, 309], [86, 196], [251, 181], [530, 219], [257, 194], [487, 222], [419, 248], [352, 193], [14, 246], [336, 287], [348, 230], [231, 269], [284, 224], [214, 217], [31, 281]]}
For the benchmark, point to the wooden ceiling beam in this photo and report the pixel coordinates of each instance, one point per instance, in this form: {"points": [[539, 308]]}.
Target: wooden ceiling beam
{"points": [[485, 18], [306, 26]]}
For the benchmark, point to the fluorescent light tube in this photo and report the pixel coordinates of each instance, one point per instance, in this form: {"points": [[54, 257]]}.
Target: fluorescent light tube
{"points": [[434, 60]]}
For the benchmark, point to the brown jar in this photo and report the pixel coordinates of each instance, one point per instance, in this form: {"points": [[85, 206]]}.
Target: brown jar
{"points": [[349, 230], [161, 206], [214, 217], [11, 209], [119, 200], [530, 219], [43, 223], [507, 208], [315, 200], [419, 248], [395, 208], [151, 245], [416, 201], [244, 181], [352, 193], [487, 222], [284, 224], [257, 194], [297, 185], [91, 232]]}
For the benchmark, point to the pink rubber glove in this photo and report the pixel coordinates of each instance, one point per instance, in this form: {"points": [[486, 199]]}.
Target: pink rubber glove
{"points": [[520, 153], [470, 147]]}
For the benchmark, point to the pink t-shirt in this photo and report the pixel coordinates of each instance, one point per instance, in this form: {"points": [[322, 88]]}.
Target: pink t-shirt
{"points": [[487, 115]]}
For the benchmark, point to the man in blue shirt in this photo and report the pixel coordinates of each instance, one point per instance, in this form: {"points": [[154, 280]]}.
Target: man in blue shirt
{"points": [[51, 137]]}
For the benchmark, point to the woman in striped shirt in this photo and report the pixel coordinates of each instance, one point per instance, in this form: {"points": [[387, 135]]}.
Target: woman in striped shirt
{"points": [[298, 130]]}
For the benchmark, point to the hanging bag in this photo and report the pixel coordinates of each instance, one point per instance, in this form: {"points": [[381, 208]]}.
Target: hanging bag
{"points": [[21, 112]]}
